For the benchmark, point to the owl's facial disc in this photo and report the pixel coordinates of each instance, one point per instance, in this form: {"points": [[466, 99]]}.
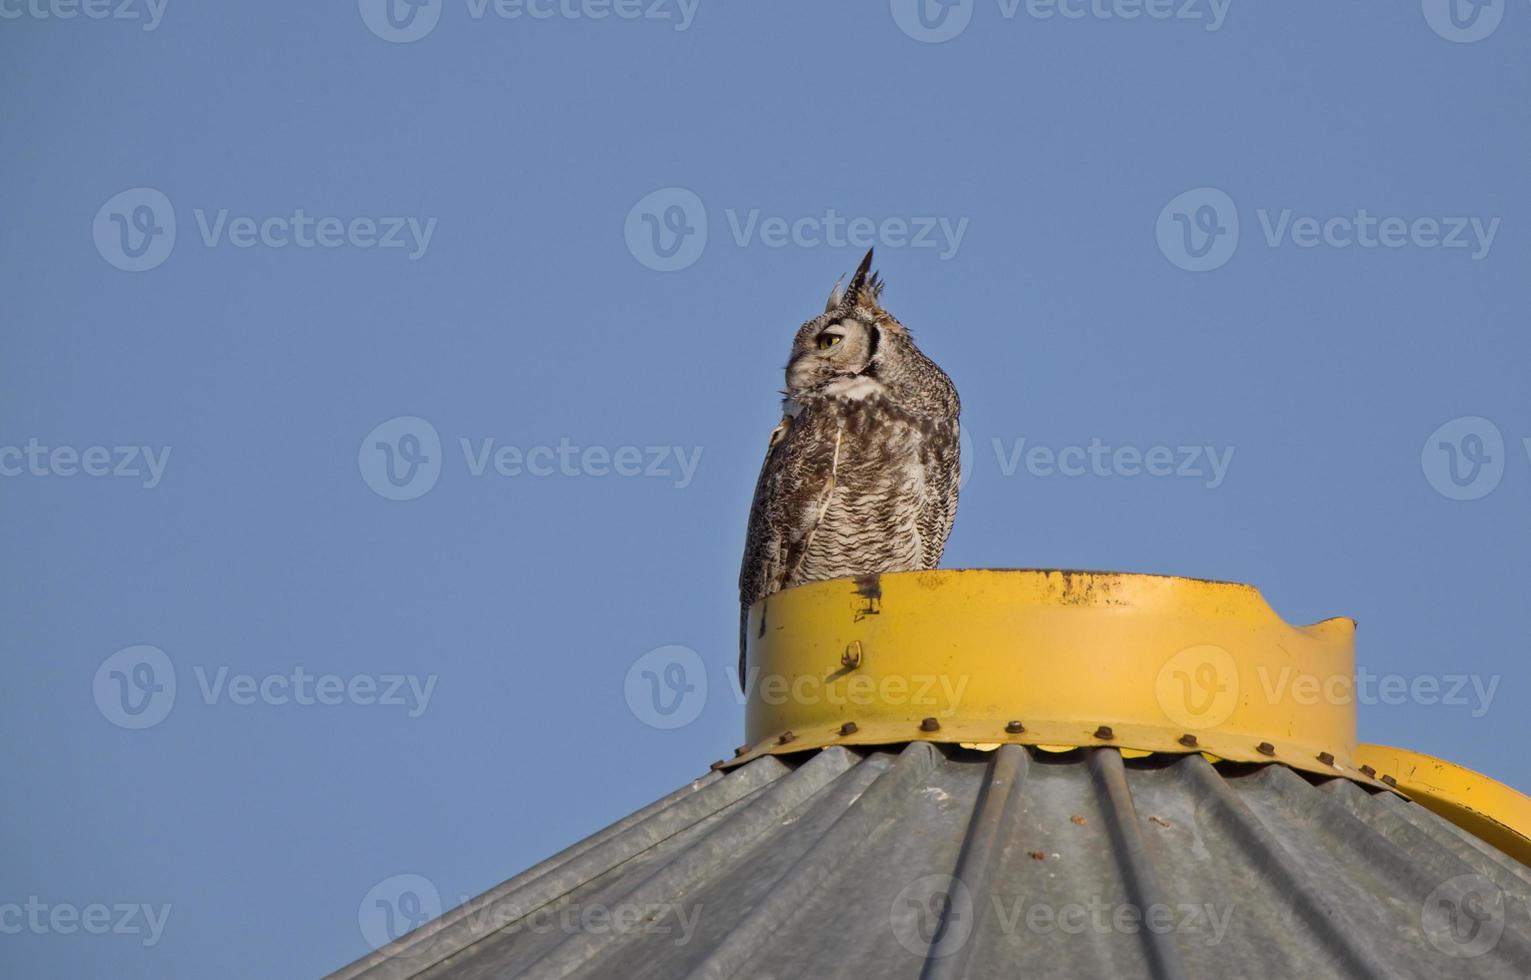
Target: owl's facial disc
{"points": [[831, 348]]}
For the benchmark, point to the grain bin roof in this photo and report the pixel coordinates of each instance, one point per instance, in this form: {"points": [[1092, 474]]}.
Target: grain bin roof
{"points": [[1117, 795], [845, 863]]}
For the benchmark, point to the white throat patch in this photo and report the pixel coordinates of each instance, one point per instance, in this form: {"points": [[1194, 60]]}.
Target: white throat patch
{"points": [[854, 389]]}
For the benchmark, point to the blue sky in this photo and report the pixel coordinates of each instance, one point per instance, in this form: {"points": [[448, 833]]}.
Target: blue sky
{"points": [[246, 244]]}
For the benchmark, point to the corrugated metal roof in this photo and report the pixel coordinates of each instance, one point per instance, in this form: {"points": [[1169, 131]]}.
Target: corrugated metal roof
{"points": [[939, 862]]}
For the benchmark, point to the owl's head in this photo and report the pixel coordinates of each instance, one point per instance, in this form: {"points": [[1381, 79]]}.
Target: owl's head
{"points": [[846, 339]]}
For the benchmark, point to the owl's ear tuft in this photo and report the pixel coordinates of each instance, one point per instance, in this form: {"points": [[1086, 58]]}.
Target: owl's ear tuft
{"points": [[866, 286], [836, 297]]}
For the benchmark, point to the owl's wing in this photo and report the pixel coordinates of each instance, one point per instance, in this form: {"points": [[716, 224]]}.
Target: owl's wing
{"points": [[791, 495], [943, 472]]}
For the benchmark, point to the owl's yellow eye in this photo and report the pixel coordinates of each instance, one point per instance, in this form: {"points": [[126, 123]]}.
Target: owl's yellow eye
{"points": [[828, 340]]}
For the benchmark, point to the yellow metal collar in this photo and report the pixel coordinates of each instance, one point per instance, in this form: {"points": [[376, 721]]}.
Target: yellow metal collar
{"points": [[1061, 659], [1050, 658]]}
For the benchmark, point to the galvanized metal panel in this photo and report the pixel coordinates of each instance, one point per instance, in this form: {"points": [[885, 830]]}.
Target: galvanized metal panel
{"points": [[937, 862]]}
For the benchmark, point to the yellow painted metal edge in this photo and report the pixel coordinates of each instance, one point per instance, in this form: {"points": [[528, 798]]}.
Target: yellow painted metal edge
{"points": [[1479, 804], [1146, 663], [1132, 741]]}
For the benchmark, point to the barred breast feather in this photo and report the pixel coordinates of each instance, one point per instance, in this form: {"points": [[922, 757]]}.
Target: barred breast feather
{"points": [[850, 486]]}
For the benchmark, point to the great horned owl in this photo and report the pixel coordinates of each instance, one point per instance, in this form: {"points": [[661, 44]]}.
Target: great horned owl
{"points": [[861, 475]]}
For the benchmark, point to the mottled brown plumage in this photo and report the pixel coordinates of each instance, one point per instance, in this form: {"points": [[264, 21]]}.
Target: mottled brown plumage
{"points": [[861, 475]]}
